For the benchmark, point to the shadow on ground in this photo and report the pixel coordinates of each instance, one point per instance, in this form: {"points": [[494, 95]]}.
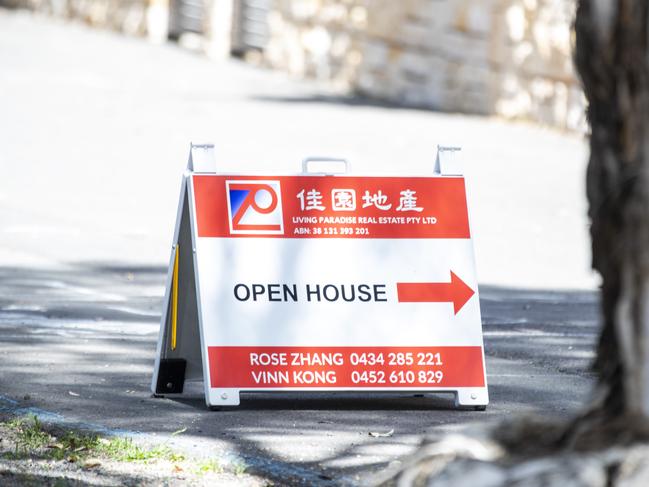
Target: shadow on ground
{"points": [[357, 99], [81, 342]]}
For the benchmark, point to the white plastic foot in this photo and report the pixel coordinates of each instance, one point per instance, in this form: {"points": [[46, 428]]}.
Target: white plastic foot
{"points": [[223, 397], [472, 397]]}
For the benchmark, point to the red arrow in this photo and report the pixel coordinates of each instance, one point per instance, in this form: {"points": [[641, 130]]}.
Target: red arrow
{"points": [[456, 292]]}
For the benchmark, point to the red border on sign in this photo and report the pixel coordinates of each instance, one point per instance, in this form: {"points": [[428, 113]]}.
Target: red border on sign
{"points": [[345, 367], [378, 207]]}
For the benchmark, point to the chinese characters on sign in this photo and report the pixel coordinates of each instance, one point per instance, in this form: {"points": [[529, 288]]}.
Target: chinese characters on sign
{"points": [[311, 201], [377, 199], [408, 201], [345, 200], [336, 207]]}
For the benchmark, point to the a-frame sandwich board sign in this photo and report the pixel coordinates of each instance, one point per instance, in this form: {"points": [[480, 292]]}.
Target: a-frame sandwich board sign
{"points": [[321, 282]]}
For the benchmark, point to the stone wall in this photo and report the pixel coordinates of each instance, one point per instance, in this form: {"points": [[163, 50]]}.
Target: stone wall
{"points": [[510, 58], [128, 16]]}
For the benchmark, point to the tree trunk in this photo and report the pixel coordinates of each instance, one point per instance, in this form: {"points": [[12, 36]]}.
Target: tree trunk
{"points": [[611, 57]]}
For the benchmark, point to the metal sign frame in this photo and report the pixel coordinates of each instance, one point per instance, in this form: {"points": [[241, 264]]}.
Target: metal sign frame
{"points": [[182, 357]]}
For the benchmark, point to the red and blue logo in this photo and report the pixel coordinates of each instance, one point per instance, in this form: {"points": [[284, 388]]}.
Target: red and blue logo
{"points": [[255, 207]]}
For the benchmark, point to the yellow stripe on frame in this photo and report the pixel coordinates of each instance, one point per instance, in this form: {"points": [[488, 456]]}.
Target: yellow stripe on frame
{"points": [[174, 301]]}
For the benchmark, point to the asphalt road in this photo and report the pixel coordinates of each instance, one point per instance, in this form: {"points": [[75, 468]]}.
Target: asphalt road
{"points": [[80, 343], [94, 130]]}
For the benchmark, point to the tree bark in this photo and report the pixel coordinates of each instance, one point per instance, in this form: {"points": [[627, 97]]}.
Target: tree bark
{"points": [[612, 59]]}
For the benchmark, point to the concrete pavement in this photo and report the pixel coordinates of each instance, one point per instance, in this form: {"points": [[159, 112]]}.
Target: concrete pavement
{"points": [[94, 130], [96, 127]]}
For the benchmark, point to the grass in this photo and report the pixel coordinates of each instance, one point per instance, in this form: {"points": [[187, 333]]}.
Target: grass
{"points": [[32, 440], [124, 450], [209, 466], [214, 466], [29, 435]]}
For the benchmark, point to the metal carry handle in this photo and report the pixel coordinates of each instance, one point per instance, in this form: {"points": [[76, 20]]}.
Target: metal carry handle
{"points": [[305, 164]]}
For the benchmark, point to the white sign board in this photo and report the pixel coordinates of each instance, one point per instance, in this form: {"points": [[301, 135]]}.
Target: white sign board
{"points": [[322, 283]]}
